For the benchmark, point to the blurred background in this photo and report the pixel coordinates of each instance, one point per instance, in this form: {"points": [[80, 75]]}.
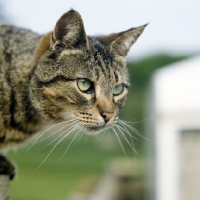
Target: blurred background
{"points": [[173, 35]]}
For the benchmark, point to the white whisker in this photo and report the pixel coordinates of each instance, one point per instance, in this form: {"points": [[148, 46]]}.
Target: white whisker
{"points": [[120, 142], [76, 134], [73, 122], [80, 135], [44, 133], [132, 122], [129, 134], [123, 127], [131, 145], [134, 130], [69, 129], [61, 139]]}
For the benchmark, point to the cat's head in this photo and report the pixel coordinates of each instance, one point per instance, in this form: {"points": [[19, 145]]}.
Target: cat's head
{"points": [[81, 78]]}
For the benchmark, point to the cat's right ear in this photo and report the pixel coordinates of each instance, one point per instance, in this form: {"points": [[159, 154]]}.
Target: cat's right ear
{"points": [[120, 43], [69, 32]]}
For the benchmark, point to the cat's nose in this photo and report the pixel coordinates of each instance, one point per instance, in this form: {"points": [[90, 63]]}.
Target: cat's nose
{"points": [[107, 115]]}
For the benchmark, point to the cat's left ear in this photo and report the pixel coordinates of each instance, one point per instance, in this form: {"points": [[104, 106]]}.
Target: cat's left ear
{"points": [[120, 43], [69, 31]]}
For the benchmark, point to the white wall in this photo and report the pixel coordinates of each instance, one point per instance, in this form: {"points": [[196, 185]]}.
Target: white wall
{"points": [[176, 94]]}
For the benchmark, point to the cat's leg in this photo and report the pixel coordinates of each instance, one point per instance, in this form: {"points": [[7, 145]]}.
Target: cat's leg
{"points": [[7, 168], [7, 173]]}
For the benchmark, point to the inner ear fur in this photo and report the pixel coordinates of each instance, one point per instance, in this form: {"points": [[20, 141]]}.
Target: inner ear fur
{"points": [[69, 31]]}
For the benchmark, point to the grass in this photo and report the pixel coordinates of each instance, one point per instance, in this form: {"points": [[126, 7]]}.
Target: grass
{"points": [[57, 178]]}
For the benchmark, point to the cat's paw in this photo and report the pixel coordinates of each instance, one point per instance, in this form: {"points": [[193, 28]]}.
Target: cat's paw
{"points": [[7, 167]]}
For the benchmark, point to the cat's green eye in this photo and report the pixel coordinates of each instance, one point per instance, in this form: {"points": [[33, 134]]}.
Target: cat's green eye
{"points": [[84, 85], [117, 90]]}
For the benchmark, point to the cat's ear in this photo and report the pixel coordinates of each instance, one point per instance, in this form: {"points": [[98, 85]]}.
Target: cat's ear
{"points": [[120, 43], [69, 31]]}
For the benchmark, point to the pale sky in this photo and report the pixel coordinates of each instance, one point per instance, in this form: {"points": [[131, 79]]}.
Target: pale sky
{"points": [[174, 25]]}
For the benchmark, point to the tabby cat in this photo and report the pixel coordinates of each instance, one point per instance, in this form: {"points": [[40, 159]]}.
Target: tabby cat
{"points": [[63, 76]]}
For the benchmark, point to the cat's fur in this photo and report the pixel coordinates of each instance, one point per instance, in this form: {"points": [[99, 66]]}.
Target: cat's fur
{"points": [[38, 78]]}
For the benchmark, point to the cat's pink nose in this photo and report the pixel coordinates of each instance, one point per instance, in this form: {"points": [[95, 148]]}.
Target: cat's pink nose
{"points": [[107, 115]]}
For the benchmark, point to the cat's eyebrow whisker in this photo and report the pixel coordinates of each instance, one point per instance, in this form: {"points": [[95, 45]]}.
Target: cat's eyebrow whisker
{"points": [[73, 122], [45, 132], [61, 139], [120, 142], [131, 145]]}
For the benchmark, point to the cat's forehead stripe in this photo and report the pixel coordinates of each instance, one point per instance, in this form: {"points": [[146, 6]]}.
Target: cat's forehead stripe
{"points": [[104, 68], [116, 77]]}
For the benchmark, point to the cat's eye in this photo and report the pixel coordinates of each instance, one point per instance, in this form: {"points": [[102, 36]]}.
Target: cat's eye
{"points": [[117, 90], [85, 85]]}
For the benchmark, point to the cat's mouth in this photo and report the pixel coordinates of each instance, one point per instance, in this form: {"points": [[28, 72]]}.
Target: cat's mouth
{"points": [[96, 126]]}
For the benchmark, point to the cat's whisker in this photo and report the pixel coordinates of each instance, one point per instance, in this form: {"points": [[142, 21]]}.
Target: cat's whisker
{"points": [[129, 134], [124, 136], [65, 131], [134, 130], [125, 129], [61, 139], [132, 122], [81, 134], [140, 121], [44, 133], [122, 133], [120, 142], [73, 122], [130, 127], [76, 134], [99, 136]]}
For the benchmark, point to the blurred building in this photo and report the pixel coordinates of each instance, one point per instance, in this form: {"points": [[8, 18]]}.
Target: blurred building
{"points": [[174, 101]]}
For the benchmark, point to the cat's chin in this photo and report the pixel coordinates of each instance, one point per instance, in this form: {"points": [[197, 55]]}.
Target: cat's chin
{"points": [[95, 130]]}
